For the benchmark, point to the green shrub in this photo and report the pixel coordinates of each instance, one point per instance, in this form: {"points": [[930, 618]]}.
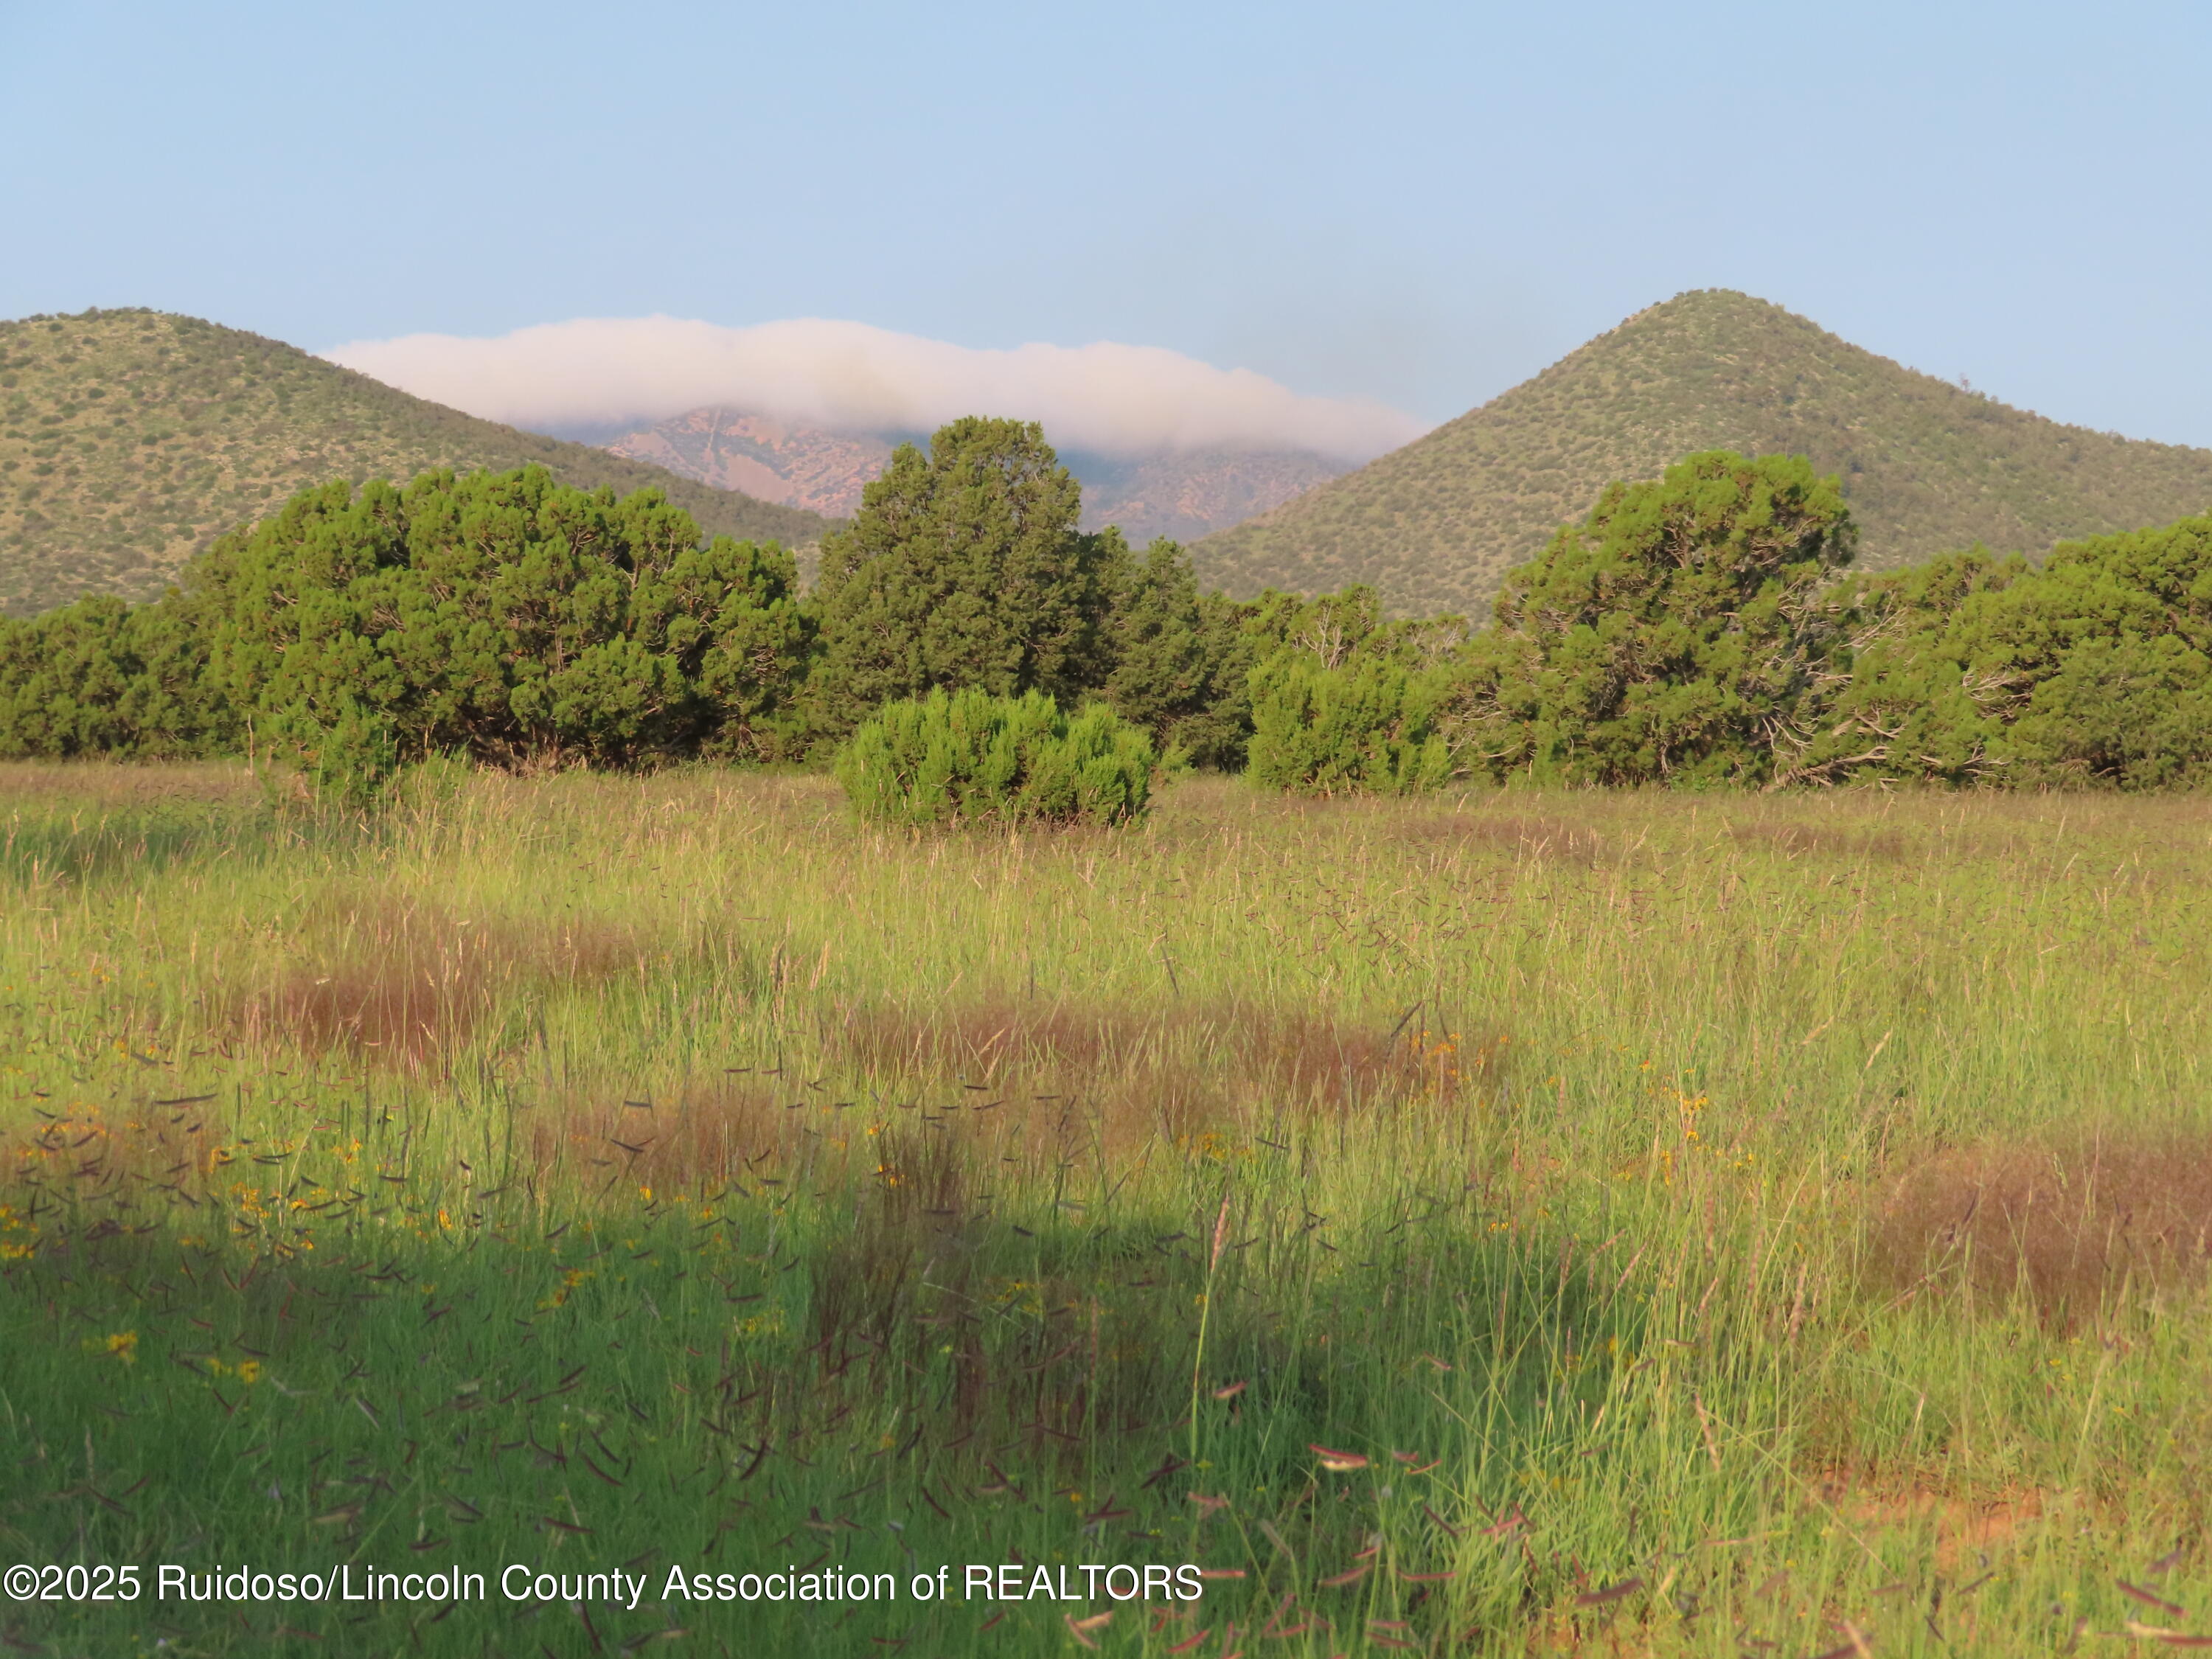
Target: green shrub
{"points": [[102, 678], [1374, 726], [503, 616], [2093, 668], [1015, 760], [1677, 634]]}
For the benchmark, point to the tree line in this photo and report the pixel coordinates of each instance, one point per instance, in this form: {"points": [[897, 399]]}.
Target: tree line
{"points": [[1703, 629]]}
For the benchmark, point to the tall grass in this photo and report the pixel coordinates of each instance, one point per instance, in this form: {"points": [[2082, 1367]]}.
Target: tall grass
{"points": [[1616, 1224]]}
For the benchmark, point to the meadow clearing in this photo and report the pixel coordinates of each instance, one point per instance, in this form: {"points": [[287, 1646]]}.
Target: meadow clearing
{"points": [[1519, 1222]]}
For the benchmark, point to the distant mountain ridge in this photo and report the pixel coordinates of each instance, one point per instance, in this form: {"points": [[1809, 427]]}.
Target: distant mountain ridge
{"points": [[795, 467], [1182, 494], [1185, 495], [1928, 467], [131, 438]]}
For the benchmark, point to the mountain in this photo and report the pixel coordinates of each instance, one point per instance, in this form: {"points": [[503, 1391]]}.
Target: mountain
{"points": [[1175, 494], [1187, 493], [798, 467], [1926, 467], [129, 440]]}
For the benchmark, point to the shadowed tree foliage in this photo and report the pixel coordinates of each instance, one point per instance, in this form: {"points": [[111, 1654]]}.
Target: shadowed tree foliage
{"points": [[1182, 660], [1691, 630], [1675, 636]]}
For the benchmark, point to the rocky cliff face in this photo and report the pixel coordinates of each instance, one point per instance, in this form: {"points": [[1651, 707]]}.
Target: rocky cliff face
{"points": [[820, 472], [1179, 494]]}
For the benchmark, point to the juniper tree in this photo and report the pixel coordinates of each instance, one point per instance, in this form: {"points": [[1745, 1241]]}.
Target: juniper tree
{"points": [[501, 616], [1182, 660], [1675, 634], [965, 568]]}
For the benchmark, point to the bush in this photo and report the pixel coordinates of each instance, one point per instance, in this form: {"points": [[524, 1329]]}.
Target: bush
{"points": [[1374, 726], [1677, 634], [101, 678], [2093, 668], [503, 616], [1016, 760]]}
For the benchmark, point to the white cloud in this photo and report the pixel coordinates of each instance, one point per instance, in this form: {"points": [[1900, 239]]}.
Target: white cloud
{"points": [[1116, 399]]}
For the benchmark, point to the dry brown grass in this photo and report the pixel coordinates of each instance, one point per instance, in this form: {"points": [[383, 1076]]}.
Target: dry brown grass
{"points": [[917, 1209], [1177, 1070], [1038, 1361], [2067, 1223], [1959, 1530], [406, 982], [103, 786], [1801, 840], [111, 1171], [732, 1132], [1533, 836]]}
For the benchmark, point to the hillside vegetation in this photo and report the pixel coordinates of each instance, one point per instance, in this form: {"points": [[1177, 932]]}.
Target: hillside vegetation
{"points": [[1703, 629], [130, 440], [1187, 493], [1928, 467]]}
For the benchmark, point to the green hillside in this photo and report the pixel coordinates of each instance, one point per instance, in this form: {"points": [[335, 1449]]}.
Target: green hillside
{"points": [[130, 439], [1928, 467]]}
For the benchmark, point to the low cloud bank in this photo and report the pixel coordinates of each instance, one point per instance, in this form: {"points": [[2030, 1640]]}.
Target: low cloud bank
{"points": [[1114, 400]]}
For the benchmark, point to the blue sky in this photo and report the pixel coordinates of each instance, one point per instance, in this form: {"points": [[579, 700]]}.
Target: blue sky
{"points": [[1418, 204]]}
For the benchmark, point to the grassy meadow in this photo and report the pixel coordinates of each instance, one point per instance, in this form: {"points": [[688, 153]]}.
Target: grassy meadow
{"points": [[1684, 1225]]}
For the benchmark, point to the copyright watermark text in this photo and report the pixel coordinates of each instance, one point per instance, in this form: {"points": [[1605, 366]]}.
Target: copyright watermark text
{"points": [[1088, 1582]]}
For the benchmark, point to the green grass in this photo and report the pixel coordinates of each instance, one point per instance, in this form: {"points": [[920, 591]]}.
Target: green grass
{"points": [[1928, 467], [130, 440], [589, 1173]]}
